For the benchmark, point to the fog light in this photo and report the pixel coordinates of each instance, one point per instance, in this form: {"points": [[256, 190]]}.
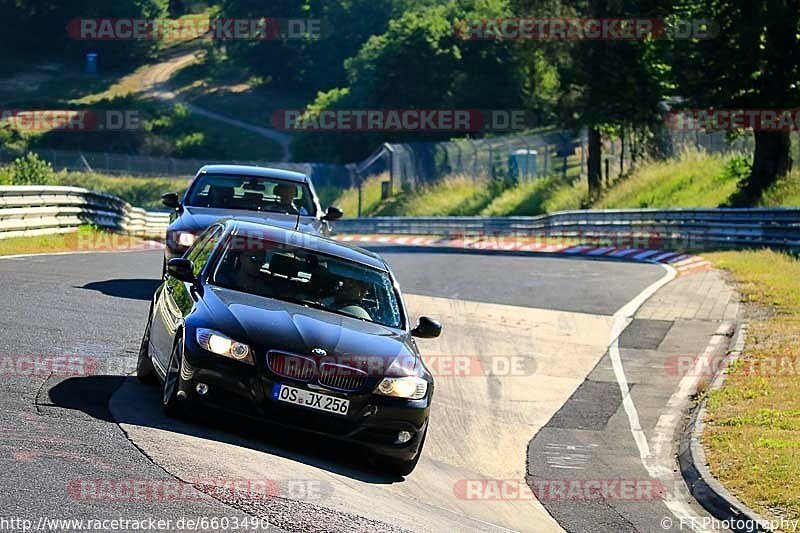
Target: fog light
{"points": [[403, 437], [201, 389]]}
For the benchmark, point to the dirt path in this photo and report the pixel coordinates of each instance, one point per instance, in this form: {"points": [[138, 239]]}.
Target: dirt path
{"points": [[154, 82]]}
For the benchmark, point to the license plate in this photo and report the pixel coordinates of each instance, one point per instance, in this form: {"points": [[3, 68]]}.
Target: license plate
{"points": [[310, 399]]}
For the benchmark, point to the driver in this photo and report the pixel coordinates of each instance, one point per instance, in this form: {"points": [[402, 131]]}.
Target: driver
{"points": [[286, 193], [349, 297]]}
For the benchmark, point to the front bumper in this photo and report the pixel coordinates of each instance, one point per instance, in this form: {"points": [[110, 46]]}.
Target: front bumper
{"points": [[373, 421]]}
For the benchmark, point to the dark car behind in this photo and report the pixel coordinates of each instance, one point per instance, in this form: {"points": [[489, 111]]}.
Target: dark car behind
{"points": [[248, 193]]}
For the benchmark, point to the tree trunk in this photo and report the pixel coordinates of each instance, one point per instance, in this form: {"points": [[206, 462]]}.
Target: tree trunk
{"points": [[771, 160], [593, 164]]}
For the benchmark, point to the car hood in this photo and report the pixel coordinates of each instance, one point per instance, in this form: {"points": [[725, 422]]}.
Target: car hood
{"points": [[273, 324], [199, 218]]}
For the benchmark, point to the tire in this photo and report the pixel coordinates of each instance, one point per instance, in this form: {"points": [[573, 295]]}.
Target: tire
{"points": [[404, 468], [144, 366], [170, 403]]}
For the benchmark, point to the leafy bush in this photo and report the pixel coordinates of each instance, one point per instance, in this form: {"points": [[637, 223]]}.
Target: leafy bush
{"points": [[30, 170], [190, 145], [737, 168]]}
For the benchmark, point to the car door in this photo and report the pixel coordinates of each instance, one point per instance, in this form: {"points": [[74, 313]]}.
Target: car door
{"points": [[177, 298]]}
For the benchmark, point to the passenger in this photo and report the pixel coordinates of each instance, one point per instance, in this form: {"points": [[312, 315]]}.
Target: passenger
{"points": [[250, 271]]}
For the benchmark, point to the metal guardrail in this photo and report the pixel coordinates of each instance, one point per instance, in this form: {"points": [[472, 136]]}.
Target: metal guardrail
{"points": [[674, 229], [38, 210], [41, 210]]}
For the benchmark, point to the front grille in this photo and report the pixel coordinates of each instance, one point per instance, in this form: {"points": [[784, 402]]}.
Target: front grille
{"points": [[341, 377], [291, 366]]}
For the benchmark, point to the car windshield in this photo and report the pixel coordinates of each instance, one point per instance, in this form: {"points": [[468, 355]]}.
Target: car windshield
{"points": [[251, 194], [309, 278]]}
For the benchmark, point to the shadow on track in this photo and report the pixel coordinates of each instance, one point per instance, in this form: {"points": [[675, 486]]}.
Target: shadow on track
{"points": [[132, 289], [125, 400]]}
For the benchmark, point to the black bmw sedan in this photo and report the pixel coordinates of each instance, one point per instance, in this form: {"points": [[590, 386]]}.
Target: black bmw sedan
{"points": [[296, 329], [278, 197]]}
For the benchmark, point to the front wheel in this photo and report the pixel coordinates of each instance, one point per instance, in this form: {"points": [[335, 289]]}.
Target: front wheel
{"points": [[144, 365], [169, 399]]}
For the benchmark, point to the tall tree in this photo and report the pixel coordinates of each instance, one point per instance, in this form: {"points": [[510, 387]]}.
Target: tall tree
{"points": [[419, 62], [310, 63], [603, 84], [753, 63]]}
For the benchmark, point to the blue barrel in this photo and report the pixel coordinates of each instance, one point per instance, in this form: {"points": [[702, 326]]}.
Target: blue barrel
{"points": [[91, 63]]}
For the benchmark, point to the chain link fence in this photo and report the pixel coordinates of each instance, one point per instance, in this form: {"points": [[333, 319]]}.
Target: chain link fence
{"points": [[527, 157], [411, 165], [517, 157]]}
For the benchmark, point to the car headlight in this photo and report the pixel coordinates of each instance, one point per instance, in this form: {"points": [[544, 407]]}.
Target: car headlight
{"points": [[410, 387], [184, 238], [217, 343]]}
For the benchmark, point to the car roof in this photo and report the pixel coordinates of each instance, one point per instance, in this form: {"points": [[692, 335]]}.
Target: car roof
{"points": [[260, 172], [308, 241]]}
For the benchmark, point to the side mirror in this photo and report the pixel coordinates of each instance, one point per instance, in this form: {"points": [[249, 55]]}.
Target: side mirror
{"points": [[181, 269], [333, 213], [427, 328], [170, 199]]}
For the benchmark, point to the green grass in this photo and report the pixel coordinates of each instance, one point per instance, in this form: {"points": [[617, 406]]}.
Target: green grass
{"points": [[753, 426], [139, 192], [785, 191], [694, 179], [347, 199], [462, 196], [454, 196], [539, 196], [79, 240]]}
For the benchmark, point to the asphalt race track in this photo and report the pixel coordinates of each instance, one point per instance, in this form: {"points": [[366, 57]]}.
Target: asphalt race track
{"points": [[61, 428]]}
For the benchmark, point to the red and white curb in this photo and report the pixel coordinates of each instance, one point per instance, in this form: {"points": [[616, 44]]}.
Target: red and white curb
{"points": [[684, 263]]}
